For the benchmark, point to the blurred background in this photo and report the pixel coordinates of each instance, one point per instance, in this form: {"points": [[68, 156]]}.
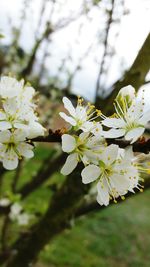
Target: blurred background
{"points": [[87, 48]]}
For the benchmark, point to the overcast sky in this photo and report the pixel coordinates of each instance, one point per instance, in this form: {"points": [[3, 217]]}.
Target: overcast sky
{"points": [[133, 30]]}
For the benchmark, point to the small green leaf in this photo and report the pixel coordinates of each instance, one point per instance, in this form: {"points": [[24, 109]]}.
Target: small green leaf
{"points": [[1, 36]]}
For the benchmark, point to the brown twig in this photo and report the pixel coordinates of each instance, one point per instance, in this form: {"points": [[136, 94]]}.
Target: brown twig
{"points": [[142, 145]]}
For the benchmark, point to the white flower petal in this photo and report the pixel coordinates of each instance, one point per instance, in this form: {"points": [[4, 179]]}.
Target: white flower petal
{"points": [[81, 113], [28, 93], [133, 177], [68, 143], [19, 135], [10, 161], [110, 154], [5, 136], [135, 111], [10, 106], [10, 87], [114, 133], [134, 134], [68, 105], [97, 130], [114, 122], [15, 210], [127, 91], [2, 116], [35, 129], [68, 118], [99, 200], [103, 193], [70, 164], [83, 137], [128, 153], [120, 183], [145, 118], [90, 174], [19, 125], [87, 126], [5, 125], [3, 149], [23, 219], [25, 150], [4, 202]]}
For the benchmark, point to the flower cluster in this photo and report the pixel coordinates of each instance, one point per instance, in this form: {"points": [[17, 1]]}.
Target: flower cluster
{"points": [[18, 121], [114, 170], [16, 213]]}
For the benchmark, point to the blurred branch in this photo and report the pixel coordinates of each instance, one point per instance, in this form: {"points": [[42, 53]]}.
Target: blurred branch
{"points": [[45, 172], [55, 220], [16, 177], [43, 8], [27, 70], [76, 69], [4, 232], [46, 53], [134, 76], [105, 48], [50, 29], [48, 168], [93, 206], [146, 82]]}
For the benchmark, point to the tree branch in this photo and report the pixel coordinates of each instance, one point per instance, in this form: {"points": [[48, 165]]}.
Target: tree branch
{"points": [[42, 176], [105, 48], [93, 206], [134, 76], [141, 145]]}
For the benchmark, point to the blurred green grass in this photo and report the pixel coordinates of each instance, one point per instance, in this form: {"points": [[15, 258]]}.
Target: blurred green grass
{"points": [[118, 236]]}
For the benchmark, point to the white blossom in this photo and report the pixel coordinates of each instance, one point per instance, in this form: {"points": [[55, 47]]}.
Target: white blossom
{"points": [[17, 215], [10, 87], [85, 148], [81, 117], [18, 109], [4, 202], [127, 92], [129, 121], [15, 210], [116, 176], [23, 218], [13, 147]]}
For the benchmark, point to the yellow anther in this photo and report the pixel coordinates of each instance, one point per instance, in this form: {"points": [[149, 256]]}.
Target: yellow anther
{"points": [[122, 197], [98, 112]]}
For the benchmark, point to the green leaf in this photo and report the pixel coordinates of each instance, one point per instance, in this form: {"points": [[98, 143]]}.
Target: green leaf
{"points": [[1, 36]]}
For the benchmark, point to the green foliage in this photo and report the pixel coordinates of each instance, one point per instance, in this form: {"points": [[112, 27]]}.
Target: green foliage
{"points": [[1, 36], [117, 236]]}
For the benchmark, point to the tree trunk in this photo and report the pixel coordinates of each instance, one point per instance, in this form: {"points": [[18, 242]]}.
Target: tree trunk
{"points": [[56, 219]]}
